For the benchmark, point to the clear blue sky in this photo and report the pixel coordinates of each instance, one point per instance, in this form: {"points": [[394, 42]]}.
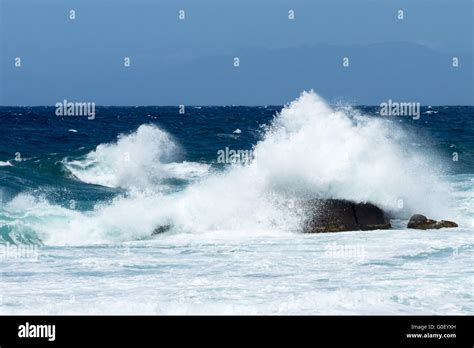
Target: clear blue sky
{"points": [[191, 61]]}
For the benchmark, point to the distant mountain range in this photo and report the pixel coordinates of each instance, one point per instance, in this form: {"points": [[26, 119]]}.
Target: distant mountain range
{"points": [[399, 71]]}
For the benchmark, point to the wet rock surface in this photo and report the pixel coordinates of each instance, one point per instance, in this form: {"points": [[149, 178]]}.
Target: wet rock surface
{"points": [[337, 215], [421, 222]]}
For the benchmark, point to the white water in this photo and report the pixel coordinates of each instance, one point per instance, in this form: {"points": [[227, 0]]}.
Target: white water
{"points": [[310, 150], [5, 164], [381, 272], [138, 160], [235, 245]]}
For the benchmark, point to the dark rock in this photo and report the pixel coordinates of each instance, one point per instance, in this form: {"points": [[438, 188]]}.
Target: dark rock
{"points": [[421, 222], [448, 224], [161, 229], [336, 215], [371, 217], [416, 220]]}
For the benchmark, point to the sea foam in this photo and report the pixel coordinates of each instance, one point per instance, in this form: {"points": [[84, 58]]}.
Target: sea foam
{"points": [[309, 150]]}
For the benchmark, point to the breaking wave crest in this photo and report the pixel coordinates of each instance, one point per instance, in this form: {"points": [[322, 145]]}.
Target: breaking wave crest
{"points": [[138, 160], [309, 150]]}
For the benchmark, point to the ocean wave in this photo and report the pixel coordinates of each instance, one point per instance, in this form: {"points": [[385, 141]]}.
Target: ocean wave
{"points": [[138, 160], [309, 150], [5, 164]]}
